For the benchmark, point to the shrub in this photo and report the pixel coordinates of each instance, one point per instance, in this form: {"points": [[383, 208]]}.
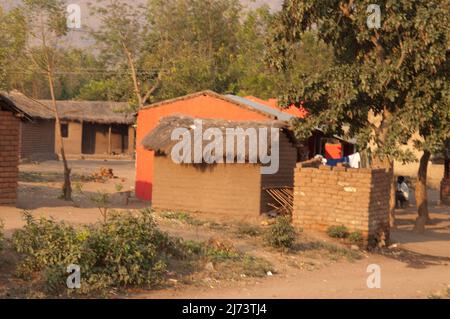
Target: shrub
{"points": [[182, 217], [245, 229], [281, 234], [130, 250], [337, 231], [45, 242], [125, 250], [355, 237]]}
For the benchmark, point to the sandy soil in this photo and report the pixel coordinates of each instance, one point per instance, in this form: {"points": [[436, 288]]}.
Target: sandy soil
{"points": [[418, 267]]}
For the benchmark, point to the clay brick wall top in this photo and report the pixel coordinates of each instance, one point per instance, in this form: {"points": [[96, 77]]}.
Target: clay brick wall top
{"points": [[355, 198], [9, 157]]}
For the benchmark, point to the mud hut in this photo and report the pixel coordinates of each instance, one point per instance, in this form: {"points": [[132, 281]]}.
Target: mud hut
{"points": [[94, 127], [37, 127], [227, 179]]}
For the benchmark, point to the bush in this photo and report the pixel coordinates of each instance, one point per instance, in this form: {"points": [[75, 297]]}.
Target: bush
{"points": [[245, 229], [45, 242], [125, 250], [337, 231], [355, 237], [281, 234]]}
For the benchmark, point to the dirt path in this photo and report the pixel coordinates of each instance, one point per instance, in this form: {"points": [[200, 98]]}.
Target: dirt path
{"points": [[341, 280]]}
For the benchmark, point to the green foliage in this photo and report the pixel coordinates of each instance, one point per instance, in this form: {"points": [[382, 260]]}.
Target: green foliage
{"points": [[45, 242], [336, 252], [338, 231], [397, 72], [355, 237], [126, 250], [281, 234], [182, 217], [245, 229]]}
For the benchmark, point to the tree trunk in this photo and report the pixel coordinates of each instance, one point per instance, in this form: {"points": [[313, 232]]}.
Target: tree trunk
{"points": [[136, 86], [388, 163], [421, 193], [67, 186], [392, 195]]}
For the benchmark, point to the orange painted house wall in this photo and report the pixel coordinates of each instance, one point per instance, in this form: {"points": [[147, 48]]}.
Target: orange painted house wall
{"points": [[201, 106]]}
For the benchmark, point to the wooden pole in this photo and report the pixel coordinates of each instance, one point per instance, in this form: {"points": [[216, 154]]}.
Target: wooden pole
{"points": [[109, 140]]}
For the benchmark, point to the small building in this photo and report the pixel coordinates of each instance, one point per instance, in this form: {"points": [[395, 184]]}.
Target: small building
{"points": [[88, 127], [9, 152], [37, 127], [211, 105], [227, 187], [94, 127]]}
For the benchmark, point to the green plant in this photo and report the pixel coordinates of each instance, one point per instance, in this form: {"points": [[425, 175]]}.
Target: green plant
{"points": [[125, 250], [337, 231], [45, 242], [355, 237], [183, 217], [118, 187], [281, 234], [255, 267], [101, 200], [244, 229]]}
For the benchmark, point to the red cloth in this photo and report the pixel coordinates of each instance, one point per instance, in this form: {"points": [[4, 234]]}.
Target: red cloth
{"points": [[333, 151]]}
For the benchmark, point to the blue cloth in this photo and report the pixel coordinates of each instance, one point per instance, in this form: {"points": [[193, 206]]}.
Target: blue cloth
{"points": [[333, 162]]}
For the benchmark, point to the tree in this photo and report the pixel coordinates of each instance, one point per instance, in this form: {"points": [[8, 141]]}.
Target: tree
{"points": [[430, 118], [377, 70], [195, 42], [121, 36], [12, 42], [45, 25]]}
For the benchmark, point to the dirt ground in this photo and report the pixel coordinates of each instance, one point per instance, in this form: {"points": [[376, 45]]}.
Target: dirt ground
{"points": [[417, 266]]}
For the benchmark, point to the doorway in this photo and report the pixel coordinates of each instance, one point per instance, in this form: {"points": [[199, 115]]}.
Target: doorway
{"points": [[88, 139]]}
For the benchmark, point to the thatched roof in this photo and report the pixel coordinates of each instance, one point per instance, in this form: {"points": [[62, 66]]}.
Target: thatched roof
{"points": [[93, 111], [160, 141], [90, 111], [27, 106]]}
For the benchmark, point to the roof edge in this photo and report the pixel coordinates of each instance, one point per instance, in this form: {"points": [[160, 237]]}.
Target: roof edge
{"points": [[208, 93]]}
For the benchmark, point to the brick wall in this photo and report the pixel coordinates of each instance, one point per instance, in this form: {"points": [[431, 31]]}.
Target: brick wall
{"points": [[9, 157], [356, 198]]}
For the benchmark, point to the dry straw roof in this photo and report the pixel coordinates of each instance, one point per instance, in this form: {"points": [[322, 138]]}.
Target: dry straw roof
{"points": [[160, 141], [90, 111], [26, 105], [93, 111]]}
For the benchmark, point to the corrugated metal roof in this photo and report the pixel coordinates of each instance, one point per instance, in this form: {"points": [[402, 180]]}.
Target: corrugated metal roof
{"points": [[261, 107]]}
